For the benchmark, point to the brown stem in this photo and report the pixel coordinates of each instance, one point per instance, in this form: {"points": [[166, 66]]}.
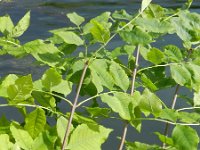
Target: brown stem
{"points": [[172, 107], [74, 106], [132, 92]]}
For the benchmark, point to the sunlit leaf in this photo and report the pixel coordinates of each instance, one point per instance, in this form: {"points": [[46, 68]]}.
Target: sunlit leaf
{"points": [[173, 53], [100, 32], [150, 103], [75, 18], [21, 26], [120, 77], [164, 138], [5, 143], [61, 127], [140, 146], [45, 140], [9, 80], [155, 56], [180, 74], [136, 36], [100, 74], [6, 24], [122, 103], [70, 38], [21, 90], [185, 137], [90, 137], [98, 112], [145, 4], [22, 137], [169, 114], [35, 122]]}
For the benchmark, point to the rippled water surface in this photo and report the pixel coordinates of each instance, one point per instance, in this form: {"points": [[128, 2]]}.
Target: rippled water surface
{"points": [[50, 14]]}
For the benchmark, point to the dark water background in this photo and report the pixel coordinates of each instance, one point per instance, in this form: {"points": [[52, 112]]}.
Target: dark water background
{"points": [[50, 14]]}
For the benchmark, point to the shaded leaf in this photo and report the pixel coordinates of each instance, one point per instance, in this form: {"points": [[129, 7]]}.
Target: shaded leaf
{"points": [[184, 138]]}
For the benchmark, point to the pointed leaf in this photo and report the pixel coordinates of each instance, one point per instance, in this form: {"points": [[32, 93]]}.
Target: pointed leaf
{"points": [[150, 103], [145, 4], [75, 18], [61, 127], [122, 103], [180, 74], [6, 24], [184, 138], [22, 25], [173, 53], [70, 38], [120, 77], [22, 137], [5, 143], [21, 90], [90, 137], [35, 122], [9, 80], [155, 56]]}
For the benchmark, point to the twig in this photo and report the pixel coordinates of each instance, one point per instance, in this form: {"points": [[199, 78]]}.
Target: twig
{"points": [[74, 106], [132, 92], [172, 107]]}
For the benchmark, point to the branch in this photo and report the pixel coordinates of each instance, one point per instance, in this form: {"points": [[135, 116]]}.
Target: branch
{"points": [[132, 92], [172, 107], [74, 106]]}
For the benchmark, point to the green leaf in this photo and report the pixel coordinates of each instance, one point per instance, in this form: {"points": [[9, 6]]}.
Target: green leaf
{"points": [[5, 143], [100, 32], [78, 118], [75, 18], [154, 25], [6, 24], [140, 146], [4, 125], [22, 137], [169, 114], [155, 56], [189, 117], [45, 140], [35, 122], [150, 103], [196, 98], [21, 90], [120, 77], [90, 137], [21, 26], [164, 139], [45, 100], [61, 127], [136, 36], [184, 138], [145, 4], [51, 78], [180, 74], [122, 103], [46, 53], [70, 38], [8, 80], [98, 112], [100, 74], [173, 53]]}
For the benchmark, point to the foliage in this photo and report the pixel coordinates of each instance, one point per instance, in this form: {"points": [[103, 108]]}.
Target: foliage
{"points": [[112, 87]]}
